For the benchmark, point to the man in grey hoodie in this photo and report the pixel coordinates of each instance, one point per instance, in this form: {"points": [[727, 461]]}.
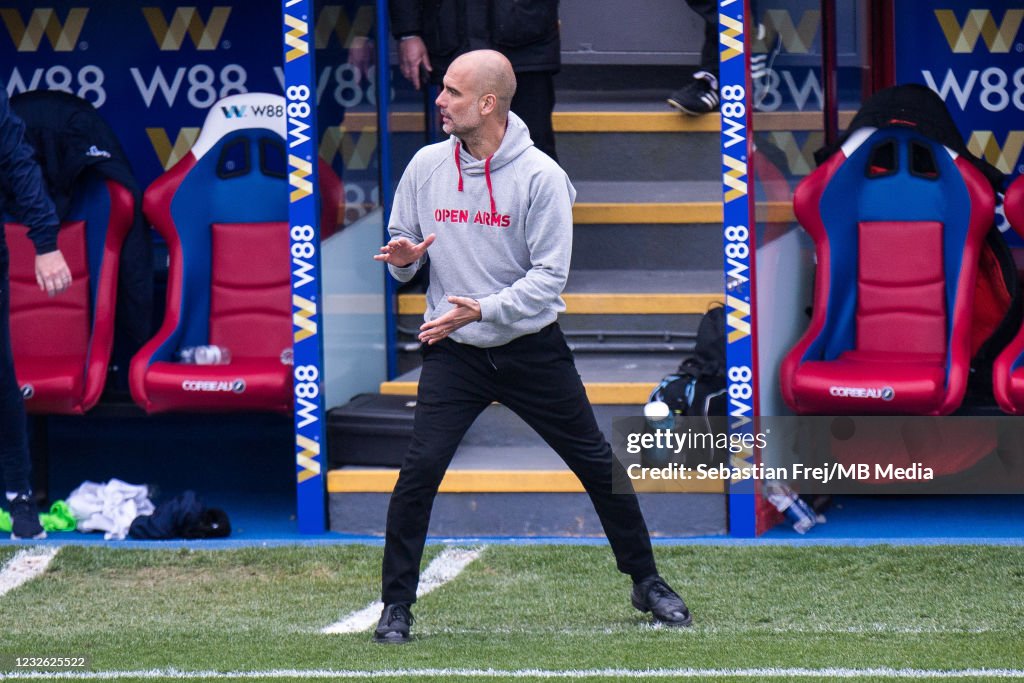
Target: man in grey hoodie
{"points": [[495, 214]]}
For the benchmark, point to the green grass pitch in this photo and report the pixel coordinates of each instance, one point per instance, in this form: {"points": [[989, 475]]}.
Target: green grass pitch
{"points": [[530, 608]]}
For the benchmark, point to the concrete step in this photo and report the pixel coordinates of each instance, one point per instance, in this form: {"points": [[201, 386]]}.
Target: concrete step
{"points": [[618, 379], [675, 202], [623, 292], [479, 513], [504, 480]]}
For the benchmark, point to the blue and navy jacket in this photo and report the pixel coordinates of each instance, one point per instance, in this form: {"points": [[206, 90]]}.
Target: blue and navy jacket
{"points": [[22, 190]]}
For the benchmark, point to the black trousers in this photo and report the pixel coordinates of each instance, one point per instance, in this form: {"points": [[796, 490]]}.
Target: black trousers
{"points": [[535, 377], [708, 11], [533, 103], [13, 436]]}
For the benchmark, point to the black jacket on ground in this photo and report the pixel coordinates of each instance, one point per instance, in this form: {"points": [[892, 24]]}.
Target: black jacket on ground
{"points": [[525, 31]]}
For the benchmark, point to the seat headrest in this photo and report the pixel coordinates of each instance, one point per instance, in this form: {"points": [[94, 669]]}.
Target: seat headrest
{"points": [[247, 111]]}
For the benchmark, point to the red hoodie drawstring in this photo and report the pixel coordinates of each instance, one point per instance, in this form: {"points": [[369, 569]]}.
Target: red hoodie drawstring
{"points": [[490, 192], [487, 175], [458, 163]]}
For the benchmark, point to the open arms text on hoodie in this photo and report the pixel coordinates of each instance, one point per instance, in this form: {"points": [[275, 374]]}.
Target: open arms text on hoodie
{"points": [[504, 233]]}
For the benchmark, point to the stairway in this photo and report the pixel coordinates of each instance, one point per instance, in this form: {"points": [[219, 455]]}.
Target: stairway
{"points": [[646, 264]]}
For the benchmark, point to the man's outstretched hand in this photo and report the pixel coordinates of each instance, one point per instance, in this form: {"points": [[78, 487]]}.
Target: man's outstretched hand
{"points": [[401, 252], [465, 312]]}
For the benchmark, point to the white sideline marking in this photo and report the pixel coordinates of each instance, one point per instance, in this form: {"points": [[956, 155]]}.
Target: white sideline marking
{"points": [[440, 571], [640, 674], [26, 565]]}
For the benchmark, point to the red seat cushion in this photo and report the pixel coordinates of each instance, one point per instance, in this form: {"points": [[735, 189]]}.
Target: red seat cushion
{"points": [[50, 335], [250, 298], [901, 305], [863, 383], [52, 384], [243, 384]]}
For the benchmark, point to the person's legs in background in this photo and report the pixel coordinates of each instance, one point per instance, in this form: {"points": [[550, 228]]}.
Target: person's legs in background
{"points": [[533, 103], [14, 457], [700, 94]]}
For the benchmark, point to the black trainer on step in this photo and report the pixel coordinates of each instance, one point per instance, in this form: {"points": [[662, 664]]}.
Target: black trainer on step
{"points": [[699, 96], [655, 596], [394, 624]]}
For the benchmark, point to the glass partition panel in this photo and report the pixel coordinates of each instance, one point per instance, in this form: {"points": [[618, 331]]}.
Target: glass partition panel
{"points": [[788, 128], [353, 287]]}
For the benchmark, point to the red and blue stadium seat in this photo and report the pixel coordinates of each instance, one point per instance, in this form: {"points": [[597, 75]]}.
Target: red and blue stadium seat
{"points": [[1008, 369], [62, 345], [223, 211], [898, 221]]}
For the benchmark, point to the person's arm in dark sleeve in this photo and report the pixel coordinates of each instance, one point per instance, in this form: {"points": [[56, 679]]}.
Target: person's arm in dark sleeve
{"points": [[19, 172], [407, 27], [406, 17], [29, 203]]}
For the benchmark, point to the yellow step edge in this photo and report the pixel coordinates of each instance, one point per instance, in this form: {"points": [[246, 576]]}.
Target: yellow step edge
{"points": [[619, 122], [597, 304], [610, 213], [599, 393], [501, 481], [632, 122]]}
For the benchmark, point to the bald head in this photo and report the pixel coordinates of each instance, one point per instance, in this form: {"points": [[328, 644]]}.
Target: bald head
{"points": [[490, 72]]}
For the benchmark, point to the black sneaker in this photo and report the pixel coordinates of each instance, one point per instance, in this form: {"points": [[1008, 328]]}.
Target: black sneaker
{"points": [[654, 595], [394, 624], [699, 96], [25, 519]]}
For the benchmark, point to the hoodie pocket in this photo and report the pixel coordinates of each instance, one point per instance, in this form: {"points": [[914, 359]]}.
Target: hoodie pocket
{"points": [[443, 306], [516, 23]]}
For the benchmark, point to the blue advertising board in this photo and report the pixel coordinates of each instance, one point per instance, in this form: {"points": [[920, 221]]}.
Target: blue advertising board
{"points": [[151, 69], [971, 53], [736, 236]]}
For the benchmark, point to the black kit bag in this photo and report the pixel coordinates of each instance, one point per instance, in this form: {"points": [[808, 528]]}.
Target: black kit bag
{"points": [[697, 389]]}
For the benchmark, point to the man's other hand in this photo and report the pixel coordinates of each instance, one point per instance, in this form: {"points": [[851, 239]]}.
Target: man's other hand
{"points": [[52, 273], [465, 312], [412, 53], [402, 253]]}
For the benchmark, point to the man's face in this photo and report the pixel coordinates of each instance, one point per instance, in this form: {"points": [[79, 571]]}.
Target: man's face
{"points": [[458, 102]]}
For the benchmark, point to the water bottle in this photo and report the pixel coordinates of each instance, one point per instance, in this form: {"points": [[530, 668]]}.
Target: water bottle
{"points": [[659, 417], [786, 501], [208, 354]]}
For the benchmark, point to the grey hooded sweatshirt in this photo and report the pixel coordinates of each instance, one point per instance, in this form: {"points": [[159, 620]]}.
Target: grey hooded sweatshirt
{"points": [[504, 233]]}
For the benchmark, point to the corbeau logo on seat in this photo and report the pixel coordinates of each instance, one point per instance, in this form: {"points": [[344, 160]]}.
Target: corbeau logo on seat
{"points": [[980, 22], [168, 154], [884, 393], [235, 386], [28, 37], [795, 38], [205, 34], [27, 391], [983, 143]]}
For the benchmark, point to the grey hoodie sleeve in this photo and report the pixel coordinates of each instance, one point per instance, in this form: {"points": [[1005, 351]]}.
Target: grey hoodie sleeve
{"points": [[549, 239], [405, 221]]}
